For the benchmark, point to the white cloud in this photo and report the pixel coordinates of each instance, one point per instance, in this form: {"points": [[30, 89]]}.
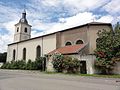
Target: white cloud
{"points": [[4, 40], [38, 25], [35, 34], [8, 17], [78, 19], [8, 12], [10, 26], [85, 4], [113, 7], [50, 2], [106, 19]]}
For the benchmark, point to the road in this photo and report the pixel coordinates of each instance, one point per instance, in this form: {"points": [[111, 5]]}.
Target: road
{"points": [[27, 80]]}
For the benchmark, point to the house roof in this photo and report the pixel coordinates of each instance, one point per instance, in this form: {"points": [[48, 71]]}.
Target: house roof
{"points": [[71, 49], [87, 24]]}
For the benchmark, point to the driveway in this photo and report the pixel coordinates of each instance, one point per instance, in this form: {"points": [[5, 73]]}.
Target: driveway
{"points": [[27, 80]]}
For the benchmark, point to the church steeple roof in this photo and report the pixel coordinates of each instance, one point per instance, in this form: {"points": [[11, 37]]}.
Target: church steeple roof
{"points": [[23, 18]]}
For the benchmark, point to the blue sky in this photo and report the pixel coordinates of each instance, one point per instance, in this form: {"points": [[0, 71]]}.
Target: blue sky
{"points": [[47, 16]]}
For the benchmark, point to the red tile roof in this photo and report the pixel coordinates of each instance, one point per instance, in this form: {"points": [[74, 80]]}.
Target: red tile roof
{"points": [[68, 49]]}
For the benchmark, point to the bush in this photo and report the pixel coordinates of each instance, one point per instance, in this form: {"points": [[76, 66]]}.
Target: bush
{"points": [[13, 65], [5, 65], [65, 63], [70, 64], [40, 63], [58, 62], [20, 64], [30, 65]]}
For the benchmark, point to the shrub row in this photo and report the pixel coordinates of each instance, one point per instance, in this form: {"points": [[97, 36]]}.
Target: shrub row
{"points": [[60, 64], [38, 64], [65, 64]]}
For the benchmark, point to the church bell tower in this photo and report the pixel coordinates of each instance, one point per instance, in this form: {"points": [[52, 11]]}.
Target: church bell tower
{"points": [[22, 29]]}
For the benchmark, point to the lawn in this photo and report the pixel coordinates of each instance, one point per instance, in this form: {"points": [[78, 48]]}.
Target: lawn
{"points": [[87, 75]]}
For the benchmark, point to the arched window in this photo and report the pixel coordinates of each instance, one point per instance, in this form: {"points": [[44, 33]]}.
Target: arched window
{"points": [[38, 51], [14, 53], [24, 53], [25, 30], [79, 42], [17, 29], [68, 43]]}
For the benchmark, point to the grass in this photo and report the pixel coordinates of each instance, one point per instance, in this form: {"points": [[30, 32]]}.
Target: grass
{"points": [[104, 76], [86, 75]]}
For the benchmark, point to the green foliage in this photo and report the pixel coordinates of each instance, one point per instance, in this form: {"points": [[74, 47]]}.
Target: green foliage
{"points": [[65, 63], [40, 63], [70, 64], [30, 65], [6, 65], [3, 57], [108, 50], [21, 64], [57, 62]]}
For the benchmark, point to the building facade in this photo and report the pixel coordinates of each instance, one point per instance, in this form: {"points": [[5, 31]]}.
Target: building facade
{"points": [[81, 40]]}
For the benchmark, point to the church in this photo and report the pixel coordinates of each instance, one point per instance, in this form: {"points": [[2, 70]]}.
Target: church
{"points": [[79, 42]]}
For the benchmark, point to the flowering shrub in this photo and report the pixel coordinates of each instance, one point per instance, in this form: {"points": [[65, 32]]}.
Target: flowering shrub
{"points": [[65, 63]]}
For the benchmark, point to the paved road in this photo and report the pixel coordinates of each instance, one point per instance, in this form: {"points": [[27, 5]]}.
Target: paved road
{"points": [[25, 80]]}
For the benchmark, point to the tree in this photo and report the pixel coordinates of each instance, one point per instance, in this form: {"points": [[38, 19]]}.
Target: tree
{"points": [[3, 57], [107, 50]]}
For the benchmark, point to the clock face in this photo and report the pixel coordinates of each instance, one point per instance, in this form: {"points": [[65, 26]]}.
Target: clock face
{"points": [[22, 20]]}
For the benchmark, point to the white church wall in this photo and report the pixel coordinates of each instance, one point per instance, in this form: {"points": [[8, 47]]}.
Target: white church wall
{"points": [[25, 35], [30, 46], [23, 26], [10, 52], [20, 33], [49, 43], [16, 35]]}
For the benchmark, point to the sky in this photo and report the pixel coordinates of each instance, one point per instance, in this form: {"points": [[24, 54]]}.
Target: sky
{"points": [[47, 16]]}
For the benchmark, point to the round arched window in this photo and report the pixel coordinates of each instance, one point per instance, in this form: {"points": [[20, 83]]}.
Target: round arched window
{"points": [[79, 42], [38, 51], [68, 43], [25, 30], [24, 53], [17, 29], [14, 52]]}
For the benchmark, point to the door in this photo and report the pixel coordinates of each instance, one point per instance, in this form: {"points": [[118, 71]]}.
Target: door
{"points": [[83, 67]]}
